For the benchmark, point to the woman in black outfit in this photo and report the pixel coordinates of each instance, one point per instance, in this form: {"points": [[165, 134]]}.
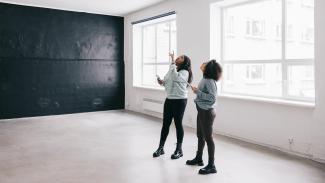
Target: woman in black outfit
{"points": [[175, 83]]}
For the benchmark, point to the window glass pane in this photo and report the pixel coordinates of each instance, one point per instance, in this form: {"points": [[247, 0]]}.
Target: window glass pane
{"points": [[149, 60], [163, 42], [253, 79], [149, 75], [153, 40], [300, 29], [148, 43], [162, 70], [173, 37], [252, 31], [301, 81]]}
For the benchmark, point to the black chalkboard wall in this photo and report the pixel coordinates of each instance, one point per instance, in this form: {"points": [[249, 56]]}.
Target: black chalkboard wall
{"points": [[58, 62]]}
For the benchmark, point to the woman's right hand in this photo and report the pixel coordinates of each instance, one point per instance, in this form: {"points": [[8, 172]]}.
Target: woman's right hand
{"points": [[172, 57]]}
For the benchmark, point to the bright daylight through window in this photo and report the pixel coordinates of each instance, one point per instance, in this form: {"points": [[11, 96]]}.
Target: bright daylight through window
{"points": [[267, 48], [152, 42]]}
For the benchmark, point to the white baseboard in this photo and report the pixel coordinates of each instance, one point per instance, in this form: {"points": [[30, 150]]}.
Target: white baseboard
{"points": [[272, 147]]}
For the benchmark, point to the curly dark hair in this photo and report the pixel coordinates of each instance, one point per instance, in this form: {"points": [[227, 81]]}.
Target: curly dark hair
{"points": [[186, 65], [212, 70]]}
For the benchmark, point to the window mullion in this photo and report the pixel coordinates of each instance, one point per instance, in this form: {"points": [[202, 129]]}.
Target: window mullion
{"points": [[283, 60], [253, 61], [222, 44], [156, 45], [142, 50], [170, 33]]}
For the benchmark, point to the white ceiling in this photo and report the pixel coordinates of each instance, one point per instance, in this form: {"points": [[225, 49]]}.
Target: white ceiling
{"points": [[106, 7]]}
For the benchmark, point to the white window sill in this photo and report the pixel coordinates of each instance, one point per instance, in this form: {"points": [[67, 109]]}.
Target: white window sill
{"points": [[149, 88], [272, 101]]}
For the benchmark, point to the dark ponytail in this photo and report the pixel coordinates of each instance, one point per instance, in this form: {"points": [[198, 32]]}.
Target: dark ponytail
{"points": [[186, 65]]}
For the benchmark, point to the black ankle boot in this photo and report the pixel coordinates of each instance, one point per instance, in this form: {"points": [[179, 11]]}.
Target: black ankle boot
{"points": [[197, 160], [160, 151], [210, 168], [178, 152]]}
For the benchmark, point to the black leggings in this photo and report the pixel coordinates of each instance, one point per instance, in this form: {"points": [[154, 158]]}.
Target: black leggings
{"points": [[205, 120], [173, 108]]}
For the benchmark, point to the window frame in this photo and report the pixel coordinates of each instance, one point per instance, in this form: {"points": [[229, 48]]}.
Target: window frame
{"points": [[162, 31], [155, 64], [284, 62]]}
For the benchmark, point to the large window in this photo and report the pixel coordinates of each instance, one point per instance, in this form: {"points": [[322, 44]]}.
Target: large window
{"points": [[152, 41], [266, 48]]}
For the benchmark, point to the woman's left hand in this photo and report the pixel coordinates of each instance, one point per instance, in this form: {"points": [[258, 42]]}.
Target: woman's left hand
{"points": [[161, 82], [194, 89]]}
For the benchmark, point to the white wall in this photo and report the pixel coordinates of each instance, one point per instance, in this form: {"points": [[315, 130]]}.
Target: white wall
{"points": [[263, 123]]}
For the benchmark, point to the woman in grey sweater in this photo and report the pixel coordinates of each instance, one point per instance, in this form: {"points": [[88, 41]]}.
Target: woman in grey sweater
{"points": [[206, 100], [175, 83]]}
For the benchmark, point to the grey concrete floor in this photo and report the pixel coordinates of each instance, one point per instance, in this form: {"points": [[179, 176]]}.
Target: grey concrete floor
{"points": [[117, 146]]}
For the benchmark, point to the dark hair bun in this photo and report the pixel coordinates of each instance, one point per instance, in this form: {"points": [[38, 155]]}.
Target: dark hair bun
{"points": [[212, 70]]}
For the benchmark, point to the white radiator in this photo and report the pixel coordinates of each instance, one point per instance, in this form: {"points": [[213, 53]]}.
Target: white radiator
{"points": [[153, 105]]}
